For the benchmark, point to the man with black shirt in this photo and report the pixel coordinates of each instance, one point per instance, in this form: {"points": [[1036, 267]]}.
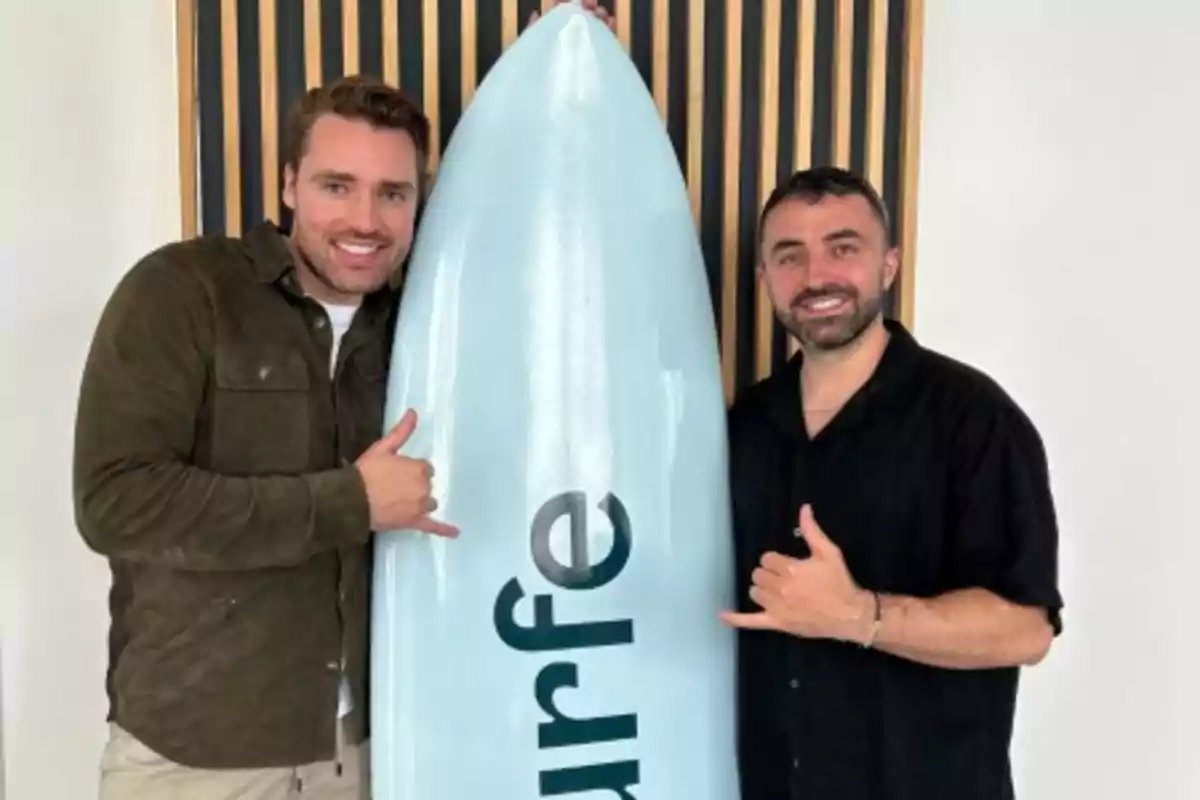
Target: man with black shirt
{"points": [[896, 534]]}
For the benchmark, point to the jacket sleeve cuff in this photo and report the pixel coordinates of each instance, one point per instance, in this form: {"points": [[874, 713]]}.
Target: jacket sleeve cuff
{"points": [[342, 514]]}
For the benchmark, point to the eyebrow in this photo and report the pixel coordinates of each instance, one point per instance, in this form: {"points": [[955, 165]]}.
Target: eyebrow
{"points": [[785, 244], [332, 175], [346, 177], [843, 233]]}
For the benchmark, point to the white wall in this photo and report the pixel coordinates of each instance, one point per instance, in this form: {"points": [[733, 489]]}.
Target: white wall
{"points": [[1058, 249], [1058, 173], [88, 159]]}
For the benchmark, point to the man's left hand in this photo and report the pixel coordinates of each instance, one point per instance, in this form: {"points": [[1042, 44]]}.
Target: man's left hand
{"points": [[814, 597], [588, 5]]}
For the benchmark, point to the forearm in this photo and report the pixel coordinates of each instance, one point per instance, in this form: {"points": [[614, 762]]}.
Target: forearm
{"points": [[965, 629], [177, 515]]}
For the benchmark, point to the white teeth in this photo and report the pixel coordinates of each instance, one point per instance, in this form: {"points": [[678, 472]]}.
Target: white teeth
{"points": [[825, 303], [358, 249]]}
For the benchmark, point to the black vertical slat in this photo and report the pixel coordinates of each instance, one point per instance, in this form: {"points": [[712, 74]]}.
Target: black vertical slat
{"points": [[250, 111], [823, 88], [524, 9], [449, 67], [895, 110], [893, 153], [641, 40], [331, 40], [713, 159], [211, 118], [370, 38], [611, 6], [412, 40], [788, 53], [751, 151], [489, 38], [289, 29], [289, 32], [677, 33], [860, 72]]}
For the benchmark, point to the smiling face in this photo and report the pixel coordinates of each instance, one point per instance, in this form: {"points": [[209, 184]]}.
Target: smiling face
{"points": [[826, 265], [354, 197]]}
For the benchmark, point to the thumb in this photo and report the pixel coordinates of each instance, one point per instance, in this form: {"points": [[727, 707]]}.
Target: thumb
{"points": [[399, 434], [818, 542]]}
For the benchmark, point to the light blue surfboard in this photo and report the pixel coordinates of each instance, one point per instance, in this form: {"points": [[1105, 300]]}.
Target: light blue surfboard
{"points": [[557, 339]]}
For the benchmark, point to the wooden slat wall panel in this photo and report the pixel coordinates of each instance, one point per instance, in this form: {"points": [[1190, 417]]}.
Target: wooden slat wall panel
{"points": [[804, 90], [508, 27], [909, 135], [312, 42], [772, 30], [468, 37], [695, 106], [185, 46], [232, 106], [268, 54], [430, 77], [350, 44], [750, 90], [390, 25]]}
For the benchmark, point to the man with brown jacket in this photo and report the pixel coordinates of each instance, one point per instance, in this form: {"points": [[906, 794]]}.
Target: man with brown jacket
{"points": [[228, 464]]}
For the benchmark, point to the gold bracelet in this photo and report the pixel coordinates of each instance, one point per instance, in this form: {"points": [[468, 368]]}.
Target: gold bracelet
{"points": [[876, 623]]}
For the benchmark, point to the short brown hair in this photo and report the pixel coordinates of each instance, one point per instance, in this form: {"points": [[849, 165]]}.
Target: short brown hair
{"points": [[356, 97]]}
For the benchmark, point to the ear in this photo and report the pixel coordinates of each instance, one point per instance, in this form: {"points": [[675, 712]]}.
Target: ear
{"points": [[289, 187], [760, 259], [891, 267]]}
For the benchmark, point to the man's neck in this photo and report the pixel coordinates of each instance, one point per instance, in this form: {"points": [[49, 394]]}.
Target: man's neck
{"points": [[830, 378]]}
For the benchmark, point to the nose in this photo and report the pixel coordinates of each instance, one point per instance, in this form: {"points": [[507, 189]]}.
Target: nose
{"points": [[821, 270], [364, 213]]}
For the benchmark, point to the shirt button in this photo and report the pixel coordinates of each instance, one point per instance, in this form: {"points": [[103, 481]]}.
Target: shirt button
{"points": [[331, 665], [795, 684], [795, 763]]}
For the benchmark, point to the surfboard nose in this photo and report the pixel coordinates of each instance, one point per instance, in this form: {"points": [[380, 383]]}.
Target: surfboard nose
{"points": [[562, 161]]}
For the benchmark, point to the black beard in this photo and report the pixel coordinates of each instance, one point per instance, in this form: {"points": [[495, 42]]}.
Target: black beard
{"points": [[832, 333]]}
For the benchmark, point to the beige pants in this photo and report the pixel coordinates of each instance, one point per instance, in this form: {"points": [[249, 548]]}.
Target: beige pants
{"points": [[129, 770]]}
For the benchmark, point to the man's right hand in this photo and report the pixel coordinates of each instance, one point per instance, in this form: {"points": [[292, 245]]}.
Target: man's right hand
{"points": [[398, 487]]}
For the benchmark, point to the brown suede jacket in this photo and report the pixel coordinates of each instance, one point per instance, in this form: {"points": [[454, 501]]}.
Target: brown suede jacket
{"points": [[214, 469]]}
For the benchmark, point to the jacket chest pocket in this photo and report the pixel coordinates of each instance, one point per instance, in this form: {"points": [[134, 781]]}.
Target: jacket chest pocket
{"points": [[261, 411]]}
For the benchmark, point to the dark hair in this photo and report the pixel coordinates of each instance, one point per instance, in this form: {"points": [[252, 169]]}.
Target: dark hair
{"points": [[811, 185], [356, 97]]}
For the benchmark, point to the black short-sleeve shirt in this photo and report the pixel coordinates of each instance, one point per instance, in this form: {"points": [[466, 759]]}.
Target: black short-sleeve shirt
{"points": [[929, 479]]}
